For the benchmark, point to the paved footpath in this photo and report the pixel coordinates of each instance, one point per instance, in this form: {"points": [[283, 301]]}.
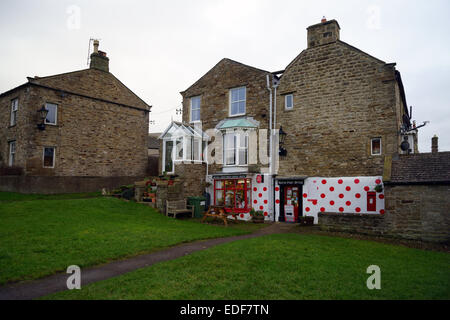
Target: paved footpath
{"points": [[56, 283]]}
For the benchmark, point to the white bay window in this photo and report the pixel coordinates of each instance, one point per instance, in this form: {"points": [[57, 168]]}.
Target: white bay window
{"points": [[235, 149]]}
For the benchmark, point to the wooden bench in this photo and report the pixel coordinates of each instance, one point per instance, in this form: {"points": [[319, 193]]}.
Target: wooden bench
{"points": [[175, 207], [218, 212]]}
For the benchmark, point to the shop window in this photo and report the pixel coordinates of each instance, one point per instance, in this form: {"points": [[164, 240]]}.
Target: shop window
{"points": [[233, 194]]}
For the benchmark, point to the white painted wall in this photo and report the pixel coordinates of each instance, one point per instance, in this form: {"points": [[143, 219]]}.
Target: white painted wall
{"points": [[344, 194]]}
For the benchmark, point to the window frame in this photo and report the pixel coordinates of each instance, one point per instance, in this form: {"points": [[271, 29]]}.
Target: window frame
{"points": [[54, 157], [12, 155], [371, 147], [14, 111], [285, 101], [56, 114], [237, 147], [199, 109], [230, 102]]}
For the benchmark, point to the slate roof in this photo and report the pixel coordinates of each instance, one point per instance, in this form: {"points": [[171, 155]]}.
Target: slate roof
{"points": [[92, 83], [153, 141], [421, 168]]}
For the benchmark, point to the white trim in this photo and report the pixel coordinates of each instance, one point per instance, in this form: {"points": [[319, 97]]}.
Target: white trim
{"points": [[371, 147], [230, 102], [43, 157], [56, 114], [285, 101]]}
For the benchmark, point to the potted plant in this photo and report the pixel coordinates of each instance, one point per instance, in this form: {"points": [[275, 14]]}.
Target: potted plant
{"points": [[379, 188], [257, 216]]}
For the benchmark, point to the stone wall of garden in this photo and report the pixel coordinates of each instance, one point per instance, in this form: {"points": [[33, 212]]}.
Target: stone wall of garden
{"points": [[416, 212]]}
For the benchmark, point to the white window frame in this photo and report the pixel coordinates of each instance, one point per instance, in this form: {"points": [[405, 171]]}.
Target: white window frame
{"points": [[236, 149], [56, 113], [237, 101], [14, 111], [43, 157], [286, 101], [11, 153], [199, 109], [371, 147], [171, 156]]}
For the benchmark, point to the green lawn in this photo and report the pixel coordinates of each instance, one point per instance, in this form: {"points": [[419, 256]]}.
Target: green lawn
{"points": [[40, 235], [283, 266]]}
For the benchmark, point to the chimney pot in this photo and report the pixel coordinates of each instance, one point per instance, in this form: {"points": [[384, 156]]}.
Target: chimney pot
{"points": [[96, 43], [323, 19], [434, 144]]}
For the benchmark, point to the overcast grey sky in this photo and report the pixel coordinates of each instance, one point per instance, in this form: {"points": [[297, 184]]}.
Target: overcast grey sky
{"points": [[159, 48]]}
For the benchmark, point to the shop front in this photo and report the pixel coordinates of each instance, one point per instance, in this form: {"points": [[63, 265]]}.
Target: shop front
{"points": [[239, 193]]}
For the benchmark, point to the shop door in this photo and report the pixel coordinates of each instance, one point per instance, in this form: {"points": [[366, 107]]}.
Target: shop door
{"points": [[291, 204]]}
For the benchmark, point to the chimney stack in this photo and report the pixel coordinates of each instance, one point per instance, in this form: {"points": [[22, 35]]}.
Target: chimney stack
{"points": [[99, 60], [323, 33], [434, 144]]}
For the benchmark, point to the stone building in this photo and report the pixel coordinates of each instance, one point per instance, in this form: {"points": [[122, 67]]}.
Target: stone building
{"points": [[76, 131], [311, 138]]}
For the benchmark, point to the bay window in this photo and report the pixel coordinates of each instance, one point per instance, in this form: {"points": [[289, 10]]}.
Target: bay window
{"points": [[235, 149], [233, 194]]}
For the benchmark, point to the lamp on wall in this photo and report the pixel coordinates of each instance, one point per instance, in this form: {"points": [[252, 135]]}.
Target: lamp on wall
{"points": [[282, 136], [42, 115]]}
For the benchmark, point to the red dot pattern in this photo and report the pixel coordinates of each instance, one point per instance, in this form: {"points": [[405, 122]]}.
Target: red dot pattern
{"points": [[266, 214], [265, 201], [322, 197], [264, 189]]}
